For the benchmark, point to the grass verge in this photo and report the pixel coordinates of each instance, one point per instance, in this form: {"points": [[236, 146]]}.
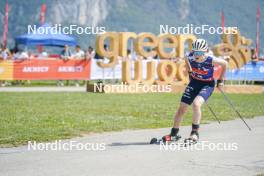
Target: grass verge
{"points": [[49, 116]]}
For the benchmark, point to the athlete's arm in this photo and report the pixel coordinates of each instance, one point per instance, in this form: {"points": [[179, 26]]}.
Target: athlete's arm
{"points": [[189, 68], [223, 64]]}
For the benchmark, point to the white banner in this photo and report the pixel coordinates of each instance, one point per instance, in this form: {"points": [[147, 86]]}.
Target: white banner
{"points": [[116, 72]]}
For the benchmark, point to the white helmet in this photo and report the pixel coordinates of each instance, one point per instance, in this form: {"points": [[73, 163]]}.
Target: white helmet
{"points": [[200, 45]]}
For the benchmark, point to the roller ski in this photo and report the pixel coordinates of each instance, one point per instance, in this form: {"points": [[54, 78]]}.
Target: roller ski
{"points": [[165, 139], [170, 138], [193, 139]]}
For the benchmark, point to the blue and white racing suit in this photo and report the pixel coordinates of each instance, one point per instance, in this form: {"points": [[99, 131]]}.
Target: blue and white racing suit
{"points": [[201, 80]]}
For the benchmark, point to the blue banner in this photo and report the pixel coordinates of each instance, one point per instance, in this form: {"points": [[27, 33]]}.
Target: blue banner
{"points": [[252, 71]]}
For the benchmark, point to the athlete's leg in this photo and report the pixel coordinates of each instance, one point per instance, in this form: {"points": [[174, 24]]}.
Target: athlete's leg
{"points": [[196, 106], [188, 96], [185, 102], [191, 91], [179, 114], [203, 96], [196, 118], [173, 136]]}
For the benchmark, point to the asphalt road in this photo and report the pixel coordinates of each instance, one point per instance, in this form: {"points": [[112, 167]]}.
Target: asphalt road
{"points": [[128, 153]]}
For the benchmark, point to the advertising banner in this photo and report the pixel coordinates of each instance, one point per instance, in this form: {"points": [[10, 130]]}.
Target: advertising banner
{"points": [[45, 70], [6, 70], [252, 71]]}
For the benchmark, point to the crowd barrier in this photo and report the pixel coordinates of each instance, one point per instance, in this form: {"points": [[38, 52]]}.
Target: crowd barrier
{"points": [[51, 69], [45, 70]]}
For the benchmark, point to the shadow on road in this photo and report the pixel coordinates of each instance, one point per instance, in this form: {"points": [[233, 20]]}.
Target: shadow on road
{"points": [[128, 143]]}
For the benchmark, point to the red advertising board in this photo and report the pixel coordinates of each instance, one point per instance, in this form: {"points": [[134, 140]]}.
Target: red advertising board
{"points": [[52, 70]]}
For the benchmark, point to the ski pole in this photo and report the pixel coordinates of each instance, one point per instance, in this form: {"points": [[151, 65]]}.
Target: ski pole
{"points": [[233, 107], [209, 107]]}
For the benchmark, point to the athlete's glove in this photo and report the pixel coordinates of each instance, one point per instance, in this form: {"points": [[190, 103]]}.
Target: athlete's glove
{"points": [[219, 83]]}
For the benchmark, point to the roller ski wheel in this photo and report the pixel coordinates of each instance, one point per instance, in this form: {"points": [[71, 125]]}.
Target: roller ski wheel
{"points": [[193, 139]]}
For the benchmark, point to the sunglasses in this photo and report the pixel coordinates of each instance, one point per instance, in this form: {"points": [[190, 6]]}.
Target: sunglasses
{"points": [[198, 53]]}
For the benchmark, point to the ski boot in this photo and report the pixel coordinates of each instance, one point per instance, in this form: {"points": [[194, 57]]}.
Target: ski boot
{"points": [[172, 137], [193, 139]]}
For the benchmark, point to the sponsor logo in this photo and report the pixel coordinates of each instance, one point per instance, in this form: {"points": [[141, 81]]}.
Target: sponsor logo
{"points": [[35, 69], [202, 72], [70, 69]]}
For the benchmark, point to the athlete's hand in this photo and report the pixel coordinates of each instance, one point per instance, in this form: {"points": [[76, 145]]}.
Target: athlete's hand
{"points": [[220, 83]]}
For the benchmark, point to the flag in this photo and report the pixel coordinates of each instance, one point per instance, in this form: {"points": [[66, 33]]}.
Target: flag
{"points": [[257, 29], [43, 14], [5, 31], [222, 19], [42, 21]]}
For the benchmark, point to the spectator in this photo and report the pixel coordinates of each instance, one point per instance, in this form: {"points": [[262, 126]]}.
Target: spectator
{"points": [[128, 57], [15, 49], [43, 55], [20, 55], [79, 54], [90, 53], [66, 53], [97, 56], [253, 53], [4, 53]]}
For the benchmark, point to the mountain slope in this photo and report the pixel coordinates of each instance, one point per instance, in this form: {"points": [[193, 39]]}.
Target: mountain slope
{"points": [[133, 15]]}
